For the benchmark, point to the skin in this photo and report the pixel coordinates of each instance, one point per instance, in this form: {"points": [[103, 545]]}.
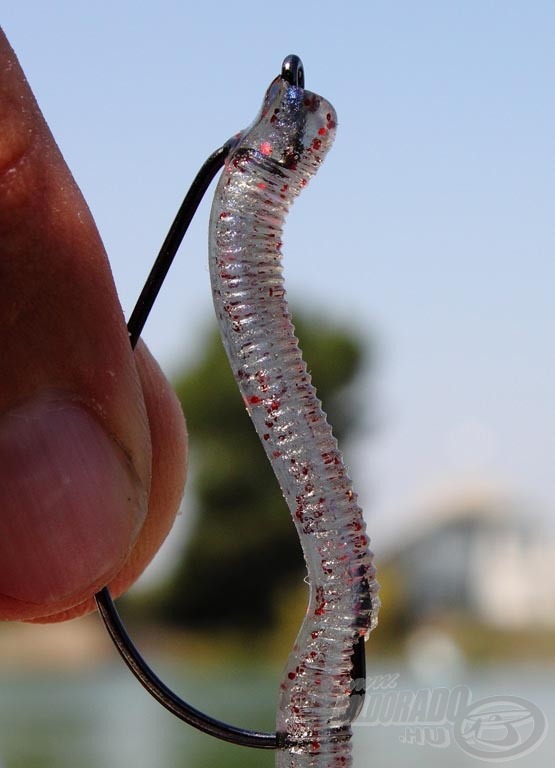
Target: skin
{"points": [[92, 437]]}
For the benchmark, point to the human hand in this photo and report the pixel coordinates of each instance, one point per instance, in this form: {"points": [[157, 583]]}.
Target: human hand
{"points": [[92, 438]]}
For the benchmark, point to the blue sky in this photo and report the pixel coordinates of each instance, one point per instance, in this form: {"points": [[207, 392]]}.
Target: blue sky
{"points": [[430, 226]]}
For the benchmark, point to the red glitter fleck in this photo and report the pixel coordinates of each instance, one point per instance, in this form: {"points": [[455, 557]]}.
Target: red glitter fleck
{"points": [[224, 215], [304, 182], [316, 746], [266, 148], [255, 400], [292, 675], [322, 131], [261, 185], [276, 454], [266, 436], [316, 143]]}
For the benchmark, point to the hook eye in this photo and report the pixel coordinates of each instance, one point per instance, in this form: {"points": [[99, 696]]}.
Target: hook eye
{"points": [[292, 70]]}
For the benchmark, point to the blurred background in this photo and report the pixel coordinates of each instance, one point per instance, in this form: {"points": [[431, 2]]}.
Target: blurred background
{"points": [[420, 270]]}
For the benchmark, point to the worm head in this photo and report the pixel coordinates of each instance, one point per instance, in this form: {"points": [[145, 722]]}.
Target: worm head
{"points": [[294, 125]]}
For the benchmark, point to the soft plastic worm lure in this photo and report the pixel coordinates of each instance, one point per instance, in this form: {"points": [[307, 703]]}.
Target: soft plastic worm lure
{"points": [[265, 171], [266, 167]]}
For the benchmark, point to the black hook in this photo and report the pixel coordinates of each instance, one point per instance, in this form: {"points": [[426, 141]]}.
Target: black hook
{"points": [[292, 71], [105, 604]]}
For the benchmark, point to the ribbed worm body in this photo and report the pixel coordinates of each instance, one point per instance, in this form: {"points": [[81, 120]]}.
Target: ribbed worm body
{"points": [[267, 168]]}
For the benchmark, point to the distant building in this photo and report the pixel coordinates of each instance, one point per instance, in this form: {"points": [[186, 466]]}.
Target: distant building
{"points": [[480, 559]]}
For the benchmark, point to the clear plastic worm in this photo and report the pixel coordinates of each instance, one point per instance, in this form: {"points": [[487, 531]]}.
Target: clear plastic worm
{"points": [[267, 168]]}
